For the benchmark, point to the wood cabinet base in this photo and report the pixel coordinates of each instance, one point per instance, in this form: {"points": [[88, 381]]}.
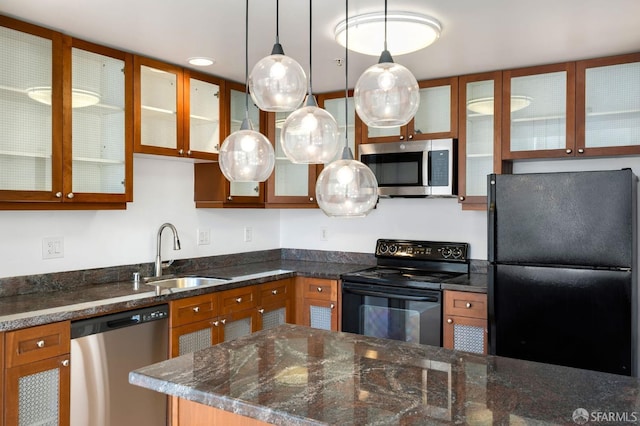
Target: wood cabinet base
{"points": [[193, 413]]}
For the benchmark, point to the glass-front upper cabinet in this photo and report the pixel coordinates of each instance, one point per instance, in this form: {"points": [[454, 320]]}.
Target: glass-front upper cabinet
{"points": [[538, 110], [335, 104], [436, 118], [608, 105], [242, 192], [479, 139], [204, 95], [66, 118], [159, 92]]}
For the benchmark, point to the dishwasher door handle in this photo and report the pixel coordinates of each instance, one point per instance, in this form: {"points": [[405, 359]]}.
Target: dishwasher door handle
{"points": [[124, 322]]}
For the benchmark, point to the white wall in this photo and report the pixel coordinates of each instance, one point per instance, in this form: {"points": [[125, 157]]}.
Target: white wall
{"points": [[163, 193]]}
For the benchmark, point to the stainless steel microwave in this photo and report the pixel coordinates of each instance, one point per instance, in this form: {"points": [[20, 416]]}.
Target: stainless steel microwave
{"points": [[413, 169]]}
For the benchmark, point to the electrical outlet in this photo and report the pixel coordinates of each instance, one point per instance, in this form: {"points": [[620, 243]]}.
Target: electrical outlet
{"points": [[52, 247], [324, 234], [248, 234], [204, 237]]}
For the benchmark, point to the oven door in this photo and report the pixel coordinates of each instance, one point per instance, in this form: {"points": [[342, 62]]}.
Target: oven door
{"points": [[411, 315]]}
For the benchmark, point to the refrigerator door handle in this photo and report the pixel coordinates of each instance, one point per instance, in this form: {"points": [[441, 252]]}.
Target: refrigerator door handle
{"points": [[491, 216]]}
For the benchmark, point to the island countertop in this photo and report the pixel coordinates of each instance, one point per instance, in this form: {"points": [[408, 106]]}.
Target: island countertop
{"points": [[295, 375]]}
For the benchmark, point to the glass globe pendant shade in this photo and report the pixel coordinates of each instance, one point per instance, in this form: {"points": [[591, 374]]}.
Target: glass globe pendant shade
{"points": [[386, 94], [346, 188], [310, 135], [246, 155], [277, 83]]}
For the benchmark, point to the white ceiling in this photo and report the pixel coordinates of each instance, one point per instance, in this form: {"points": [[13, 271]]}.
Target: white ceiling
{"points": [[477, 35]]}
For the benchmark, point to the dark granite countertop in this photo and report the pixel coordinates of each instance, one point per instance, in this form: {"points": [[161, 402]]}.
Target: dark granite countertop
{"points": [[295, 375]]}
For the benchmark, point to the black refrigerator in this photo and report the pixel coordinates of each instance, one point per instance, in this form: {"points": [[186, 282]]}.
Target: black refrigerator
{"points": [[563, 268]]}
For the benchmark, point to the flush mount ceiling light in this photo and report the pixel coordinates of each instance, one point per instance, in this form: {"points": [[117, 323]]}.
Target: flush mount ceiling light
{"points": [[408, 32], [346, 187], [277, 82], [201, 61], [485, 105], [79, 98], [246, 155]]}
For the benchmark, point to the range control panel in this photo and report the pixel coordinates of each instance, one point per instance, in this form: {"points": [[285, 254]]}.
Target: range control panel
{"points": [[422, 250]]}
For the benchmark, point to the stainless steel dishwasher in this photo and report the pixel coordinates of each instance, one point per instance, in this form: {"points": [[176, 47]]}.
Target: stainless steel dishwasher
{"points": [[103, 352]]}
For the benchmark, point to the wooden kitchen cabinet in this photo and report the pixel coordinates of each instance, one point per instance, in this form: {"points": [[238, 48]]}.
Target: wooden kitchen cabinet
{"points": [[67, 121], [479, 142], [37, 376], [275, 304], [318, 303], [436, 118], [465, 321], [191, 324]]}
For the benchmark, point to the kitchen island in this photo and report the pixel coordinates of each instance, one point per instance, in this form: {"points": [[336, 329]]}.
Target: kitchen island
{"points": [[295, 375]]}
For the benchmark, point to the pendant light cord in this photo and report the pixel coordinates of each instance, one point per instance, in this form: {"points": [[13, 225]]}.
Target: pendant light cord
{"points": [[277, 21], [346, 77], [385, 24], [246, 60], [310, 45]]}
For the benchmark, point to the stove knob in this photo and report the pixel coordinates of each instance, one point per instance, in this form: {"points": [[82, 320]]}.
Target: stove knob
{"points": [[446, 252], [383, 248], [457, 253], [393, 249]]}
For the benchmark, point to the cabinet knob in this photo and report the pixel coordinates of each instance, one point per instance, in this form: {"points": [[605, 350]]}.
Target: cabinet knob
{"points": [[568, 151], [461, 198], [311, 199], [40, 344], [65, 363], [410, 137], [261, 311], [274, 292], [180, 151], [230, 198], [216, 323], [319, 289], [223, 321], [239, 300], [196, 309], [468, 305], [70, 195], [401, 137], [256, 189], [189, 153], [332, 306], [449, 321], [58, 194], [580, 151]]}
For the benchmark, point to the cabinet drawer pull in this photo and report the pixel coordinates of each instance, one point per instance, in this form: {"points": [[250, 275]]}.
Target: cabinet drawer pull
{"points": [[449, 321], [65, 363], [196, 309], [468, 305], [239, 300], [261, 311], [274, 292], [215, 323], [319, 289], [223, 321], [40, 344]]}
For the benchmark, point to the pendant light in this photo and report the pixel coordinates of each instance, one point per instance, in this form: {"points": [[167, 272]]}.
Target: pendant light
{"points": [[277, 82], [246, 155], [346, 187], [386, 94], [310, 134]]}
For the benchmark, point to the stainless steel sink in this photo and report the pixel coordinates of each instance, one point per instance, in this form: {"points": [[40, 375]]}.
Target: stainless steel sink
{"points": [[185, 282]]}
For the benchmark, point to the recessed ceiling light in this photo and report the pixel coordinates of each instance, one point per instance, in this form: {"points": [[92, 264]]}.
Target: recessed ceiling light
{"points": [[201, 61], [406, 32]]}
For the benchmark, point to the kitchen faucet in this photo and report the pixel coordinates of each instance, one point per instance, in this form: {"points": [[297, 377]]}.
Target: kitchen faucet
{"points": [[176, 246]]}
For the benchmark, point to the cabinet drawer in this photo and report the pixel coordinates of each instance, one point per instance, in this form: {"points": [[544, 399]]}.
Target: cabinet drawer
{"points": [[37, 343], [461, 303], [238, 299], [319, 289], [274, 291], [192, 309]]}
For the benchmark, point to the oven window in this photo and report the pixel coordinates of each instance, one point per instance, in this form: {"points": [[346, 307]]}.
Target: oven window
{"points": [[396, 169]]}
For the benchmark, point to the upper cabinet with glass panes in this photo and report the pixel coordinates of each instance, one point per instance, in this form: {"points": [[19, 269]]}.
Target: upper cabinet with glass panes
{"points": [[66, 109], [436, 118]]}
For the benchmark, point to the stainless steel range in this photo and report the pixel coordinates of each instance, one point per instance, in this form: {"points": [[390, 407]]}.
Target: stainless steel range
{"points": [[401, 297]]}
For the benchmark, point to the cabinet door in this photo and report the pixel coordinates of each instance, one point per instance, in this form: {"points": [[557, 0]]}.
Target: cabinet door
{"points": [[465, 334], [100, 154], [608, 105], [30, 112], [479, 149], [289, 184], [538, 109], [38, 393], [237, 324], [436, 117], [242, 192], [334, 103], [204, 97], [321, 314], [159, 94], [193, 337]]}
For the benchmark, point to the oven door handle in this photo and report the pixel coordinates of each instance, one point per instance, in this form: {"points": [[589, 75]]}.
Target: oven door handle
{"points": [[394, 296]]}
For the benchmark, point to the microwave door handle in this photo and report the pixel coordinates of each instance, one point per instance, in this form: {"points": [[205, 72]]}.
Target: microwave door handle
{"points": [[393, 296], [426, 169]]}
